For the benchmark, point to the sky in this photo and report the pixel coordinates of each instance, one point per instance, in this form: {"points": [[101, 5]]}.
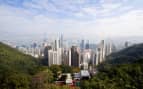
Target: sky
{"points": [[84, 19]]}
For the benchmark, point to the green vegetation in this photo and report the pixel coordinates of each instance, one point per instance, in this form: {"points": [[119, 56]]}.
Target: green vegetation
{"points": [[11, 58], [16, 69], [122, 70], [128, 55], [53, 86], [58, 69], [125, 76], [20, 71]]}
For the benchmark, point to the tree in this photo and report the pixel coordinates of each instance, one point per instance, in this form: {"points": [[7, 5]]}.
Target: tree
{"points": [[40, 79], [11, 79], [66, 69], [75, 69], [56, 70]]}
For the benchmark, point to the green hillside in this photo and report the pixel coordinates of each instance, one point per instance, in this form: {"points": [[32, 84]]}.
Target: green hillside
{"points": [[128, 55], [124, 76], [20, 71], [16, 60], [122, 70], [16, 68]]}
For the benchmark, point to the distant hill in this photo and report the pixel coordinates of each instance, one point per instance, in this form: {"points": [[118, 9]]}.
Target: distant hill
{"points": [[127, 55]]}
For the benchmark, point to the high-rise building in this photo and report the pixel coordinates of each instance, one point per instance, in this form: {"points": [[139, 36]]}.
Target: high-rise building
{"points": [[57, 44], [53, 57], [86, 58], [109, 49], [87, 45], [103, 50], [54, 54], [69, 57], [97, 56], [66, 57], [61, 41], [100, 53], [82, 45], [75, 56], [93, 58], [46, 56]]}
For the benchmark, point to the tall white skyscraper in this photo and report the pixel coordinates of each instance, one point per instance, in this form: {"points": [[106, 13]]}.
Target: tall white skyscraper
{"points": [[97, 56], [86, 58], [100, 52], [61, 41], [103, 50], [109, 49], [69, 56], [55, 53]]}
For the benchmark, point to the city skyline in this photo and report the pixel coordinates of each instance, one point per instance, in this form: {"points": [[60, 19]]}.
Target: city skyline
{"points": [[87, 19]]}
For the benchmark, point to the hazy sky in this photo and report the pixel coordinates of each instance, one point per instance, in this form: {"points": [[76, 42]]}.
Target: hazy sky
{"points": [[93, 19]]}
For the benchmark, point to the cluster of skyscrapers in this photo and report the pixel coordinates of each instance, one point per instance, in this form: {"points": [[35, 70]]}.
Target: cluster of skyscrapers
{"points": [[77, 55]]}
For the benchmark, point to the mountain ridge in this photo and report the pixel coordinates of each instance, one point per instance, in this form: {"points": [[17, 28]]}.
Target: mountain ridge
{"points": [[127, 55]]}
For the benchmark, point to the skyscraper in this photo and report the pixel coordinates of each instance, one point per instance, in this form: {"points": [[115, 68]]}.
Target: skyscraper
{"points": [[87, 44], [66, 57], [109, 49], [100, 53], [46, 56], [61, 41], [82, 45], [54, 54], [57, 44], [97, 56], [75, 56], [86, 58], [54, 57]]}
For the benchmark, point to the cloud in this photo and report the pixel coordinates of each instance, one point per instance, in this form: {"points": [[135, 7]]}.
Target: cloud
{"points": [[129, 24], [76, 19], [81, 9]]}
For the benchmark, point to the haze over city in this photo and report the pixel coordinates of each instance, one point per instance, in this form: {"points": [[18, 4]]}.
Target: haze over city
{"points": [[83, 19]]}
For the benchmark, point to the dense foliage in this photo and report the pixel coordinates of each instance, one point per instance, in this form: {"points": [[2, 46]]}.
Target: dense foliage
{"points": [[127, 55], [16, 69], [125, 76], [20, 71], [121, 70], [12, 79], [16, 60]]}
